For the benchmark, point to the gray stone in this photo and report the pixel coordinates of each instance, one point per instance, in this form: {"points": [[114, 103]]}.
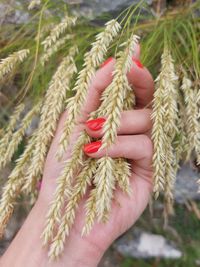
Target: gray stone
{"points": [[186, 184], [13, 12], [95, 8], [138, 244], [17, 11]]}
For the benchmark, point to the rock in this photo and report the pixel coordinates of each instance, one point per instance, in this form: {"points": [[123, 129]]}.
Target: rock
{"points": [[140, 244], [186, 184], [14, 13], [17, 11], [95, 8]]}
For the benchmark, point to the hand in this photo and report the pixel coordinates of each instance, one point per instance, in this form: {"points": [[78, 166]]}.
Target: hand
{"points": [[133, 143]]}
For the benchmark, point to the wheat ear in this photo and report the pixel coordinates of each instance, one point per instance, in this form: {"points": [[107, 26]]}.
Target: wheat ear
{"points": [[170, 99], [63, 188], [181, 143], [90, 212], [81, 184], [13, 186], [117, 96], [192, 123], [9, 63], [54, 48], [50, 114], [92, 60], [122, 166], [17, 137], [104, 182], [58, 30], [8, 132], [164, 85]]}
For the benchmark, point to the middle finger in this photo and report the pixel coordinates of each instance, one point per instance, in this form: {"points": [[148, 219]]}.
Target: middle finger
{"points": [[132, 122]]}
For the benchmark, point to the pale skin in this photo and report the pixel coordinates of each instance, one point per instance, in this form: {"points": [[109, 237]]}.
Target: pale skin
{"points": [[133, 142]]}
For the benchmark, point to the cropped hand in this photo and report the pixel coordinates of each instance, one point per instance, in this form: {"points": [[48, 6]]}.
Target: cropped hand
{"points": [[133, 142]]}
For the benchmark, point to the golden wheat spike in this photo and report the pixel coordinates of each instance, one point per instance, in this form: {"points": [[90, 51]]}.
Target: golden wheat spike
{"points": [[92, 60], [9, 63], [58, 30], [50, 113], [81, 183], [14, 184]]}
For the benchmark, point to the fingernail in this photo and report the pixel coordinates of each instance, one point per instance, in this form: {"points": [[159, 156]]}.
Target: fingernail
{"points": [[106, 62], [92, 147], [138, 63], [96, 124]]}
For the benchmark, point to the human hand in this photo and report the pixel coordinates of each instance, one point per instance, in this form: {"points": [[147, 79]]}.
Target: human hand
{"points": [[133, 143]]}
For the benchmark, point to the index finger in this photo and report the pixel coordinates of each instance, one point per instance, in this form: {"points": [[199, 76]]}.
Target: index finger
{"points": [[139, 78]]}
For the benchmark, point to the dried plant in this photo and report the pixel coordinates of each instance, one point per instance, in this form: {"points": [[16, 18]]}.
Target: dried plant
{"points": [[192, 116], [92, 60], [103, 169], [9, 63], [33, 4], [54, 48], [175, 126], [17, 137], [50, 113], [57, 31], [12, 188], [8, 132]]}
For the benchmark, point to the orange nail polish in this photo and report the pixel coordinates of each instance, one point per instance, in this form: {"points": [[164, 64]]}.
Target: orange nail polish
{"points": [[92, 147], [96, 124], [106, 62]]}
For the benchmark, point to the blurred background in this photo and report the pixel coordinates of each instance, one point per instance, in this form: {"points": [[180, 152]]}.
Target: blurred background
{"points": [[152, 242]]}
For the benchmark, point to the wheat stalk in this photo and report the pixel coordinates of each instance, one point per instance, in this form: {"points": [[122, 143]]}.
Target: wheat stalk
{"points": [[64, 187], [105, 184], [158, 134], [117, 92], [9, 63], [122, 175], [17, 137], [54, 48], [58, 30], [13, 186], [192, 123], [90, 208], [165, 120], [79, 190], [92, 60], [182, 143], [170, 99], [50, 114], [122, 166], [4, 141]]}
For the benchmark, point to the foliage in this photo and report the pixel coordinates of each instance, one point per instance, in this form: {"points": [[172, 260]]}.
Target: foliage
{"points": [[71, 44]]}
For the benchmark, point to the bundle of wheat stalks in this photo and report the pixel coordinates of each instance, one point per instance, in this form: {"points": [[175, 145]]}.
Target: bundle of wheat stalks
{"points": [[175, 133]]}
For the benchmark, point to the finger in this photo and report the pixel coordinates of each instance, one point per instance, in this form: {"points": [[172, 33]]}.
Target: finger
{"points": [[100, 81], [142, 82], [132, 122], [136, 147]]}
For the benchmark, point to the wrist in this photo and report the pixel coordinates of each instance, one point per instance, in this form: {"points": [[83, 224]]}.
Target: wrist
{"points": [[26, 248]]}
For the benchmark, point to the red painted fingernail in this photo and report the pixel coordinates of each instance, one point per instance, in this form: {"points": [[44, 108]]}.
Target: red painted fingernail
{"points": [[138, 63], [96, 124], [92, 147], [106, 62]]}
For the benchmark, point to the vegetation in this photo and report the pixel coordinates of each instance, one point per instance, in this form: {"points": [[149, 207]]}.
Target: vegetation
{"points": [[170, 48]]}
